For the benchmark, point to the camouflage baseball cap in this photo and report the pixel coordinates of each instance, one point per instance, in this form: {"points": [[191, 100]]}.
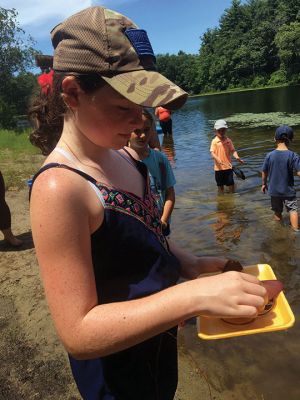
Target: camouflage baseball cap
{"points": [[99, 40]]}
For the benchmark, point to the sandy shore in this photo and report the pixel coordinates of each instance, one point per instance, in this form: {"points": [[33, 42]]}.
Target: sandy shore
{"points": [[34, 364]]}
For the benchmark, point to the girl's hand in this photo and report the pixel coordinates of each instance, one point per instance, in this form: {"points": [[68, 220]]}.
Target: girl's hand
{"points": [[232, 265], [207, 265], [164, 224], [264, 188], [232, 294]]}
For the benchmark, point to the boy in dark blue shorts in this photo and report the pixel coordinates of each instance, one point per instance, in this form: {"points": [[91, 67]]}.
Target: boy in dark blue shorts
{"points": [[278, 176]]}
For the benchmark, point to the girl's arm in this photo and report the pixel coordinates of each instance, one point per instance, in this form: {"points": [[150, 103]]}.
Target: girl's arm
{"points": [[169, 205], [88, 329], [193, 266]]}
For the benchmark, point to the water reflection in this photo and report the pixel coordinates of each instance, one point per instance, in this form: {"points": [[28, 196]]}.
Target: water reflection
{"points": [[229, 221], [168, 148]]}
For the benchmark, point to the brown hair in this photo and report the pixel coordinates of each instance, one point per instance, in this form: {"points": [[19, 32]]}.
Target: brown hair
{"points": [[147, 114], [43, 61], [47, 112]]}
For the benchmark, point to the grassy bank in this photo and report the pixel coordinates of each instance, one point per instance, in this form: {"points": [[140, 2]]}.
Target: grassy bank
{"points": [[19, 160], [236, 90]]}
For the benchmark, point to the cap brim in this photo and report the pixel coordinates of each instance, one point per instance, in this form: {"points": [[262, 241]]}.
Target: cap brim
{"points": [[148, 89]]}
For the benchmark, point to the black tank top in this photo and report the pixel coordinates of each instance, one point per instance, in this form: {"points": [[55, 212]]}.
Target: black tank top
{"points": [[131, 259]]}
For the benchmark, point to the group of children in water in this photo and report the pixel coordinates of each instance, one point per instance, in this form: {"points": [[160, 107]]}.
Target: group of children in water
{"points": [[277, 170], [117, 286]]}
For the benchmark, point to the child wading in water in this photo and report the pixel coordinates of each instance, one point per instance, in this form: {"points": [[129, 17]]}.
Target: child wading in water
{"points": [[278, 176], [110, 275], [221, 149], [165, 120], [162, 179]]}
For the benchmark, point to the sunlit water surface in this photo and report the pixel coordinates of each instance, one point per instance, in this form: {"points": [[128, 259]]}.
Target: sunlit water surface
{"points": [[240, 225]]}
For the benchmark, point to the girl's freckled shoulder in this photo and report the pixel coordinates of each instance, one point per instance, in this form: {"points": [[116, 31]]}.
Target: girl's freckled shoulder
{"points": [[59, 185]]}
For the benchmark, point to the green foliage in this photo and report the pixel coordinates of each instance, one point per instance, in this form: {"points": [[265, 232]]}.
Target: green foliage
{"points": [[16, 141], [181, 69], [278, 77], [16, 56], [287, 40], [15, 53], [259, 81], [19, 159], [257, 43]]}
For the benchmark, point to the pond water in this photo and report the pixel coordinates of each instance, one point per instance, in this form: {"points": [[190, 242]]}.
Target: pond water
{"points": [[262, 366]]}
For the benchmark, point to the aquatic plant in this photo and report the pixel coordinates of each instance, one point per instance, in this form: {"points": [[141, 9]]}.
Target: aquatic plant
{"points": [[272, 119]]}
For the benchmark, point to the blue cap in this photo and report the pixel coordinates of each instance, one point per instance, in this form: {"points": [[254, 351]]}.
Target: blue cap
{"points": [[284, 132]]}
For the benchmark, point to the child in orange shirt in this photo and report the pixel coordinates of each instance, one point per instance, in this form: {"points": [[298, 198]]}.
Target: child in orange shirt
{"points": [[165, 120], [221, 149]]}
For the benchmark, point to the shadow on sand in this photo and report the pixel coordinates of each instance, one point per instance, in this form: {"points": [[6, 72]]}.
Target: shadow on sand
{"points": [[26, 238]]}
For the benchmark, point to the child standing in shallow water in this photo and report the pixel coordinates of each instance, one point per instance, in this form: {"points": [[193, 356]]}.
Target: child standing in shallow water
{"points": [[221, 149], [110, 276], [278, 176], [162, 179], [165, 120]]}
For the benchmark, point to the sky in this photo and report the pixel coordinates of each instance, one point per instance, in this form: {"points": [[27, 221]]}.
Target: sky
{"points": [[172, 25]]}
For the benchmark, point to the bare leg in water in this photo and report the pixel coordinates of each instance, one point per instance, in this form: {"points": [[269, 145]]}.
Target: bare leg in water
{"points": [[231, 188], [277, 216], [294, 220]]}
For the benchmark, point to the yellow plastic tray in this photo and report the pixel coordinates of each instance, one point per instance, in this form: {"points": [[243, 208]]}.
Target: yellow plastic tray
{"points": [[279, 318]]}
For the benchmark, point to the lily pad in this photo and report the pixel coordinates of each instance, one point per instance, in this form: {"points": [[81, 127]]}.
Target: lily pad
{"points": [[272, 119]]}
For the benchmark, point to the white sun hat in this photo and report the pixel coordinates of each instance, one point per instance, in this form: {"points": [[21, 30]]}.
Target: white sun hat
{"points": [[220, 123]]}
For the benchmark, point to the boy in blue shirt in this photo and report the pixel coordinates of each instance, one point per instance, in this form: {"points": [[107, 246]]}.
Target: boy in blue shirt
{"points": [[278, 176], [162, 179]]}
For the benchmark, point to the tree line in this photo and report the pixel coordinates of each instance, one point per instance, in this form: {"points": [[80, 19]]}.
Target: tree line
{"points": [[16, 59], [257, 43]]}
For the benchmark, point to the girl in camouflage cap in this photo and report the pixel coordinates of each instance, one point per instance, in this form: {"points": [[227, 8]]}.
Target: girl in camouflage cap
{"points": [[109, 273]]}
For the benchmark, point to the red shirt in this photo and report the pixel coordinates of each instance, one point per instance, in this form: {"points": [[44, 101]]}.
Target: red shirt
{"points": [[163, 114]]}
